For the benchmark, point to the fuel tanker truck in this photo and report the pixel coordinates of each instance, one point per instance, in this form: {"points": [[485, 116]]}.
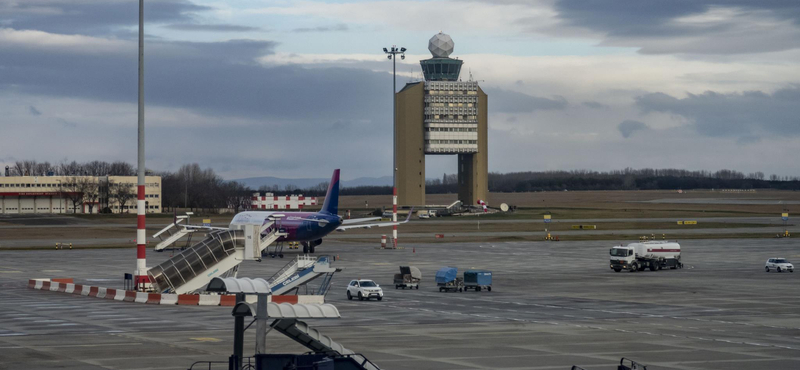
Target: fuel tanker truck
{"points": [[654, 255]]}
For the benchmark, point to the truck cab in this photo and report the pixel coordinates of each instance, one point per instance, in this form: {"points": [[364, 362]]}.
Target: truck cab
{"points": [[621, 258]]}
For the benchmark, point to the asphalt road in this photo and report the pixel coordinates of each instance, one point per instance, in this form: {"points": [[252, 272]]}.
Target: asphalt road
{"points": [[553, 305]]}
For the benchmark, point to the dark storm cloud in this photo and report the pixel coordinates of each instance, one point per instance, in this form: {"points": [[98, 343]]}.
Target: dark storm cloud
{"points": [[211, 27], [745, 115], [506, 101], [334, 28], [651, 25], [93, 17], [219, 78], [629, 127]]}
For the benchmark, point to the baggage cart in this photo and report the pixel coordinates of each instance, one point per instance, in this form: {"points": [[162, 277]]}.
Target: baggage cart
{"points": [[409, 277], [447, 279], [477, 280]]}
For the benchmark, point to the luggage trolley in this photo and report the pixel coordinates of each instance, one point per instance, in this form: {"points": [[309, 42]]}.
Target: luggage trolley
{"points": [[477, 280], [409, 277], [447, 279]]}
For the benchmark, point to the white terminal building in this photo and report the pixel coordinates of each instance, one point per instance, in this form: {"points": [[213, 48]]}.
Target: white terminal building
{"points": [[76, 194], [270, 201]]}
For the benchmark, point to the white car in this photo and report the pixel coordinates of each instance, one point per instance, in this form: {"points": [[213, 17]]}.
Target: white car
{"points": [[364, 289], [779, 264]]}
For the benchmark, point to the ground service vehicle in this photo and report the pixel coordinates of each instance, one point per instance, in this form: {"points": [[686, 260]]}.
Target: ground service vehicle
{"points": [[447, 279], [364, 289], [779, 265], [654, 255], [477, 280], [409, 277]]}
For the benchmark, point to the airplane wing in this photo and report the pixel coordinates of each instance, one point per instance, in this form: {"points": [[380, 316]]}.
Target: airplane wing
{"points": [[197, 227], [359, 220], [378, 224]]}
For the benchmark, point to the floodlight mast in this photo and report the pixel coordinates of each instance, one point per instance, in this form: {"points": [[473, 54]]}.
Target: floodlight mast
{"points": [[392, 55], [140, 277]]}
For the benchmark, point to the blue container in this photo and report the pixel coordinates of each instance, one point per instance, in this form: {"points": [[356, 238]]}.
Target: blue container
{"points": [[477, 277], [446, 275]]}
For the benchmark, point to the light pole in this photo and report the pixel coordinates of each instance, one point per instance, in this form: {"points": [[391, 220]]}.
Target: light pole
{"points": [[141, 278], [392, 55]]}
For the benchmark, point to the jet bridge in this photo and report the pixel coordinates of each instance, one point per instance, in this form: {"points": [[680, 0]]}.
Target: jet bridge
{"points": [[219, 255]]}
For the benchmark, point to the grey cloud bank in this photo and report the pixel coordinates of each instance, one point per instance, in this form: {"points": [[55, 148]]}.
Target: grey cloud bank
{"points": [[747, 114]]}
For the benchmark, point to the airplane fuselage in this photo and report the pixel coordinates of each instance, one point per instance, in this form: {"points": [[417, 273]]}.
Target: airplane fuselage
{"points": [[299, 226]]}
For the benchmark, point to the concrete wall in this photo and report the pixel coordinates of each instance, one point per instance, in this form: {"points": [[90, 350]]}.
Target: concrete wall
{"points": [[473, 169], [410, 145]]}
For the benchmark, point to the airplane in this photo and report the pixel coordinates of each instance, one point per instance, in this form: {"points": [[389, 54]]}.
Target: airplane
{"points": [[308, 228]]}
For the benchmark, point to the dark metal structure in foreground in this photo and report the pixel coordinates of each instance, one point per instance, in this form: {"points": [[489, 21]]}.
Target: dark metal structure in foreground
{"points": [[326, 354]]}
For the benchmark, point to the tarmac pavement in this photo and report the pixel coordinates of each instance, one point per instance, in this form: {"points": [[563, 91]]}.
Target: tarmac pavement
{"points": [[553, 305]]}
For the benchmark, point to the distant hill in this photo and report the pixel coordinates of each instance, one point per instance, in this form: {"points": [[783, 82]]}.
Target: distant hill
{"points": [[257, 182]]}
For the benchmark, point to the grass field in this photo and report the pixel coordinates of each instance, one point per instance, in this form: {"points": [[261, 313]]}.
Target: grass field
{"points": [[562, 206]]}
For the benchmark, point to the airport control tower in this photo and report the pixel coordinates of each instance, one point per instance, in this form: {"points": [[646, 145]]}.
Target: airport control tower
{"points": [[441, 116]]}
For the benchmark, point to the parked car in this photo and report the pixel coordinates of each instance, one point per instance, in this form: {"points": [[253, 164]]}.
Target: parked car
{"points": [[779, 264], [364, 289]]}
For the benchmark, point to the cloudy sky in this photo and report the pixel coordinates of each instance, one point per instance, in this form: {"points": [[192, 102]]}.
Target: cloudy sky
{"points": [[297, 88]]}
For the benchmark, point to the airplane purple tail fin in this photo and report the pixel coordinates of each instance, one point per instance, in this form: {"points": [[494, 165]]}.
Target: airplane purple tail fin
{"points": [[331, 204]]}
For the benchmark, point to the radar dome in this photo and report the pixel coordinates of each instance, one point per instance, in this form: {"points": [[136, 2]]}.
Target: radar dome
{"points": [[441, 45]]}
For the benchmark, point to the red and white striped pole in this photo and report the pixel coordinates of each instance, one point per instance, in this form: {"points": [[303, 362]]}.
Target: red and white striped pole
{"points": [[140, 274], [394, 217]]}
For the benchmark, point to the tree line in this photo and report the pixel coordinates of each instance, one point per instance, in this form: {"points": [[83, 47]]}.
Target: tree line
{"points": [[195, 188]]}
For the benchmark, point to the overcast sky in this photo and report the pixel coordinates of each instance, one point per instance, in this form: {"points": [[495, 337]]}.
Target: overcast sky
{"points": [[297, 88]]}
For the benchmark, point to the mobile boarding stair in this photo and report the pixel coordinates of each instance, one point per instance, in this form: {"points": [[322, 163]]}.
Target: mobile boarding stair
{"points": [[172, 236], [325, 353], [312, 339], [300, 272], [218, 255]]}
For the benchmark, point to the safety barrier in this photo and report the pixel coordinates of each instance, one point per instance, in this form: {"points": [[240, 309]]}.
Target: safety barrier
{"points": [[163, 299]]}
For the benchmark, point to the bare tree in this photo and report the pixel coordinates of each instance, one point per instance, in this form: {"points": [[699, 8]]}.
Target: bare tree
{"points": [[121, 193], [75, 190], [91, 191], [120, 168]]}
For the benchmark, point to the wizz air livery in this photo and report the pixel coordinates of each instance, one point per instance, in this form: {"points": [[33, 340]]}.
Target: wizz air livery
{"points": [[308, 228]]}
